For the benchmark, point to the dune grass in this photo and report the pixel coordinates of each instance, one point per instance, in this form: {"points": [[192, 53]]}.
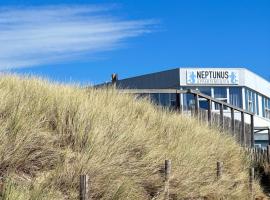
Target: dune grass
{"points": [[51, 133]]}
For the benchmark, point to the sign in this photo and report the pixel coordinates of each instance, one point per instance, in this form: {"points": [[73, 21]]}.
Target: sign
{"points": [[212, 77]]}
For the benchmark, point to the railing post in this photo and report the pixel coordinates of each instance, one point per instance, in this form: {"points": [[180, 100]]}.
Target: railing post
{"points": [[168, 164], [251, 131], [196, 99], [221, 117], [178, 103], [268, 135], [268, 154], [209, 112], [232, 122], [251, 180], [83, 187], [243, 132]]}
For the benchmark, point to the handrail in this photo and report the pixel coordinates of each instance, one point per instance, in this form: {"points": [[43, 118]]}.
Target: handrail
{"points": [[188, 91]]}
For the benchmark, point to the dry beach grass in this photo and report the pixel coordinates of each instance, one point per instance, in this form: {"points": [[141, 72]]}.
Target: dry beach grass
{"points": [[51, 133]]}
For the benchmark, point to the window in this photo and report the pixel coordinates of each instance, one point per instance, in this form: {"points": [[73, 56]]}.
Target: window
{"points": [[172, 99], [236, 96], [164, 99], [220, 93], [266, 107], [251, 97], [205, 90]]}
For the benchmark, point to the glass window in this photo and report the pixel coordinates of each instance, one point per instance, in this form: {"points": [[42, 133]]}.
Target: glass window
{"points": [[266, 107], [205, 90], [164, 99], [220, 93], [172, 99], [154, 98], [251, 104], [236, 96]]}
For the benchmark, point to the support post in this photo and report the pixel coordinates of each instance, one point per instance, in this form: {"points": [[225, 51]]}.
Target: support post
{"points": [[84, 187], [168, 165], [221, 121], [268, 154], [251, 180], [251, 131], [219, 170], [209, 112], [269, 136], [177, 103], [196, 99], [243, 131], [232, 122]]}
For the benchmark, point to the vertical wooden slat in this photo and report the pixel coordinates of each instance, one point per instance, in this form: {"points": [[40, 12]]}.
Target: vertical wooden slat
{"points": [[251, 180], [268, 153], [251, 131], [209, 112], [83, 187], [243, 131], [221, 121], [196, 99], [168, 164], [232, 122], [268, 136]]}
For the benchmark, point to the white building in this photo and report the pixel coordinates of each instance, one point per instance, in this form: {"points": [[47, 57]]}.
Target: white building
{"points": [[237, 86]]}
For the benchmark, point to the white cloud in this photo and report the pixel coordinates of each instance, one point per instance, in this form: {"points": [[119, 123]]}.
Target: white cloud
{"points": [[42, 35]]}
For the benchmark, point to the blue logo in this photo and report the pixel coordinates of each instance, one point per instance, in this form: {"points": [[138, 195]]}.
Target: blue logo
{"points": [[233, 78], [192, 77]]}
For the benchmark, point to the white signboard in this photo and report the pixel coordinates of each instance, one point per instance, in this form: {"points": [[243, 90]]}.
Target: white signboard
{"points": [[212, 77]]}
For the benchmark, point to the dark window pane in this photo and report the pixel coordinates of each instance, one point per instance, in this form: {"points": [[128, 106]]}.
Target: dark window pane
{"points": [[164, 99], [205, 90], [236, 96], [220, 92]]}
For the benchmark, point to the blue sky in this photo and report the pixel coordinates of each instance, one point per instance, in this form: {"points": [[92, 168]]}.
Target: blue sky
{"points": [[85, 41]]}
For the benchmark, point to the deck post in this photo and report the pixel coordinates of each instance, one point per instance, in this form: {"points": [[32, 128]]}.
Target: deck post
{"points": [[221, 116], [232, 122], [251, 131], [269, 136], [196, 99], [243, 132], [209, 112]]}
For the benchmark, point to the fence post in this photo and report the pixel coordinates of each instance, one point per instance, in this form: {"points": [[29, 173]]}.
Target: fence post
{"points": [[219, 170], [168, 165], [84, 187], [243, 132], [268, 154], [196, 99], [251, 180], [252, 131], [232, 122], [268, 135], [178, 102], [221, 117], [209, 112]]}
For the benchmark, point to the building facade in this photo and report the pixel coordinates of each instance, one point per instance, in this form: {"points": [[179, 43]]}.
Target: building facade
{"points": [[236, 86]]}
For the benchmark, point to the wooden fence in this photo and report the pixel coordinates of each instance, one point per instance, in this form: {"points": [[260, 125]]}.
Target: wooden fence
{"points": [[260, 156], [84, 193]]}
